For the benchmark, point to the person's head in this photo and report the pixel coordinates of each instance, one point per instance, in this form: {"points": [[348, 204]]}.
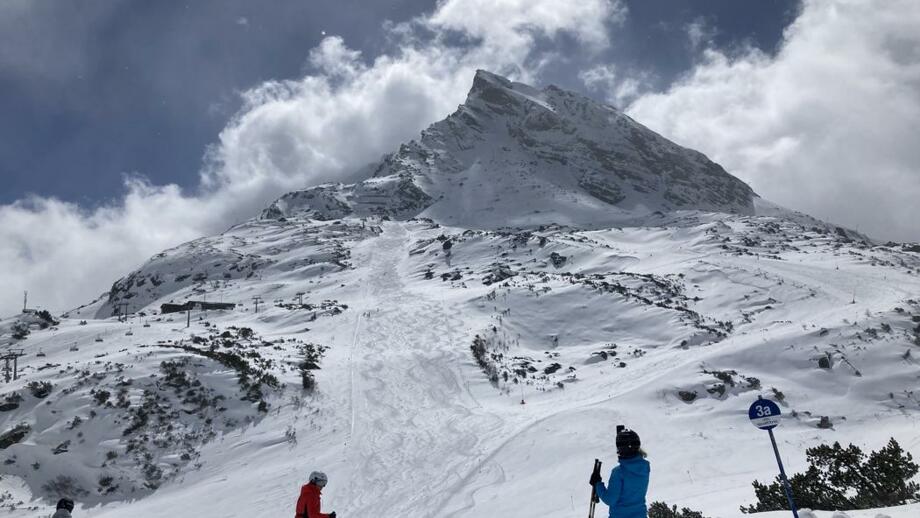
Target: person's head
{"points": [[66, 504], [628, 443], [318, 478]]}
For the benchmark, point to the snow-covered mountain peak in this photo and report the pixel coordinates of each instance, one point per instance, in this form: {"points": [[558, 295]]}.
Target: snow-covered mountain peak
{"points": [[503, 95], [511, 148]]}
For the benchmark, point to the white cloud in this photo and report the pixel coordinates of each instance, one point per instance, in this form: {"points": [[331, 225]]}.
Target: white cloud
{"points": [[513, 24], [64, 255], [616, 89], [700, 33], [290, 134], [333, 58], [828, 126], [601, 77]]}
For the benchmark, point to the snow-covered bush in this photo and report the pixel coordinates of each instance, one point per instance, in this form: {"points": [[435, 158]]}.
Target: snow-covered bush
{"points": [[723, 383], [10, 402], [483, 359], [14, 435], [40, 389], [64, 487], [312, 353], [307, 380], [46, 319], [661, 510], [843, 478], [20, 331]]}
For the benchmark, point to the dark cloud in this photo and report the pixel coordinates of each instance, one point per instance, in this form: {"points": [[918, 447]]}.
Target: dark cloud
{"points": [[94, 89]]}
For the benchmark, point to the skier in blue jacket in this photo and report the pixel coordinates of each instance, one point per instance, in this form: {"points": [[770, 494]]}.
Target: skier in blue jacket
{"points": [[628, 483]]}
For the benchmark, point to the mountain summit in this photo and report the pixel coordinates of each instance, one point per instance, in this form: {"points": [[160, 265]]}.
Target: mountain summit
{"points": [[510, 148]]}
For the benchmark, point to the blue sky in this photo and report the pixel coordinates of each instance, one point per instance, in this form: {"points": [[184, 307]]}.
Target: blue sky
{"points": [[118, 87], [129, 127]]}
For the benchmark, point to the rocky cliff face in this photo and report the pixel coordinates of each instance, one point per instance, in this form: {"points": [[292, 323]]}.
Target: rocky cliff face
{"points": [[511, 148]]}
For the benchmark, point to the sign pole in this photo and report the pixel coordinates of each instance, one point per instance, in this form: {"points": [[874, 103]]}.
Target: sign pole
{"points": [[782, 474], [765, 414]]}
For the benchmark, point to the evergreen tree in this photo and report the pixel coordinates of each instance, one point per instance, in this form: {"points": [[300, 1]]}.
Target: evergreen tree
{"points": [[661, 510], [844, 478]]}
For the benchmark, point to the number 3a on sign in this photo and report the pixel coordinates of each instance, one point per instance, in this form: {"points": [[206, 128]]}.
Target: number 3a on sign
{"points": [[764, 414]]}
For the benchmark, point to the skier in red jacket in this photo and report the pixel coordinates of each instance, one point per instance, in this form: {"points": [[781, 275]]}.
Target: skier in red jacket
{"points": [[308, 505]]}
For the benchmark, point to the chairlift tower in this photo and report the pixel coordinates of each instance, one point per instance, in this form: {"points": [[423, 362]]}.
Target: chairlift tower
{"points": [[11, 363], [122, 311]]}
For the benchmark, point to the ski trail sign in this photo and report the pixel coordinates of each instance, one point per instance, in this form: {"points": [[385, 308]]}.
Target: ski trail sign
{"points": [[765, 414]]}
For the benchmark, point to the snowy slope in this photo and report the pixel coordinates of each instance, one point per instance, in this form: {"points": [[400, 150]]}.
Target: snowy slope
{"points": [[671, 323], [249, 252], [405, 421]]}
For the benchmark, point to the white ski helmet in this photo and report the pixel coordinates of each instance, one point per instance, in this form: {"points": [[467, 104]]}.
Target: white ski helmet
{"points": [[318, 478]]}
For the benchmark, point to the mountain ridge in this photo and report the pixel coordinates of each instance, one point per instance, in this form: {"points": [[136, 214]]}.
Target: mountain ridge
{"points": [[509, 147]]}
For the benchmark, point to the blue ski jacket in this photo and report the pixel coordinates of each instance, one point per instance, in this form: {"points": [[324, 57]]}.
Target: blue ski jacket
{"points": [[626, 488]]}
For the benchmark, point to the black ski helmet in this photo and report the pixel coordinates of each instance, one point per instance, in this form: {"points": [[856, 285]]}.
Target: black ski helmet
{"points": [[628, 442], [65, 503]]}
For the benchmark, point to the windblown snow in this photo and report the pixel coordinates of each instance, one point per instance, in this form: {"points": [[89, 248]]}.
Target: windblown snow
{"points": [[473, 321]]}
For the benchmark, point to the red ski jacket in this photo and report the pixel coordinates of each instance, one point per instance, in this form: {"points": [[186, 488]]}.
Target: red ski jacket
{"points": [[308, 503]]}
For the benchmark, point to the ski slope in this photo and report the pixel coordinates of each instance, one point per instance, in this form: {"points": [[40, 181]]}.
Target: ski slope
{"points": [[405, 422]]}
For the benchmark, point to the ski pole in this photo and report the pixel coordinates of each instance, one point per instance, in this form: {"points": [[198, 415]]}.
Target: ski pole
{"points": [[594, 497]]}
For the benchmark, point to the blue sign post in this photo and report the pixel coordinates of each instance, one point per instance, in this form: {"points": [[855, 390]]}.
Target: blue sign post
{"points": [[764, 414]]}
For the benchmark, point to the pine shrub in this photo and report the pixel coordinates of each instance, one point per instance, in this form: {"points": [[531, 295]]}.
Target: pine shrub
{"points": [[661, 510], [310, 362], [481, 354], [845, 478], [40, 389], [307, 379]]}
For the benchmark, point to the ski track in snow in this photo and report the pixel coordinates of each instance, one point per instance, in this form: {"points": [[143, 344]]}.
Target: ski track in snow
{"points": [[409, 382]]}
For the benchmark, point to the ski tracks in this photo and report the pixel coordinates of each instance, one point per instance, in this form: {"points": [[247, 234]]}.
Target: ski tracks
{"points": [[419, 440], [415, 427]]}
